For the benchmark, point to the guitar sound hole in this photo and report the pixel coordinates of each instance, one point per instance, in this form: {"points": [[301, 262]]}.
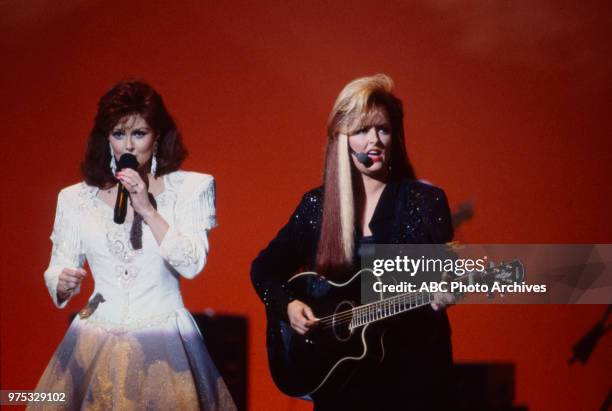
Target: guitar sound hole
{"points": [[341, 321]]}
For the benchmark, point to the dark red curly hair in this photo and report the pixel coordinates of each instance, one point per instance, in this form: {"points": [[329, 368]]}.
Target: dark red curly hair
{"points": [[126, 98]]}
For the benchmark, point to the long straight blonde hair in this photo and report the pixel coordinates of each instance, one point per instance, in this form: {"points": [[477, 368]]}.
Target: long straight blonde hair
{"points": [[336, 246]]}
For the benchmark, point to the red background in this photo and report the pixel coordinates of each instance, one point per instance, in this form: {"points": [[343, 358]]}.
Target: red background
{"points": [[507, 104]]}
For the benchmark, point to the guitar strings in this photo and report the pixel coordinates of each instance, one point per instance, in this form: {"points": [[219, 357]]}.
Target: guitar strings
{"points": [[366, 310], [402, 299]]}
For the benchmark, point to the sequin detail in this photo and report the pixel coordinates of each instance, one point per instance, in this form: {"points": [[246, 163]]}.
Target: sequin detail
{"points": [[183, 252], [126, 274], [151, 368], [140, 349], [150, 322], [417, 213], [425, 212], [118, 241]]}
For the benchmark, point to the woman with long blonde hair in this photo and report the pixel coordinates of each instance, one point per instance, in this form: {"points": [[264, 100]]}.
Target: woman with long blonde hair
{"points": [[370, 196]]}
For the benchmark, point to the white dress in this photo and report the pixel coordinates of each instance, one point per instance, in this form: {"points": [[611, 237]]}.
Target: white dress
{"points": [[140, 349]]}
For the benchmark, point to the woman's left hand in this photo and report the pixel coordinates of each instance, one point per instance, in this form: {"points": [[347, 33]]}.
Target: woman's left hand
{"points": [[137, 188], [442, 300]]}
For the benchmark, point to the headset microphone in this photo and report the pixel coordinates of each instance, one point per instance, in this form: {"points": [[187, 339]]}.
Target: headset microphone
{"points": [[363, 158]]}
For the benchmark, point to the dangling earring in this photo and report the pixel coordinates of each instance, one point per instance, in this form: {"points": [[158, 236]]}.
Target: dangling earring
{"points": [[113, 162], [154, 163]]}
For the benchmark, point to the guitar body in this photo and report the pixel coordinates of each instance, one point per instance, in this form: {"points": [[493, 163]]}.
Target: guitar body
{"points": [[324, 359], [321, 362]]}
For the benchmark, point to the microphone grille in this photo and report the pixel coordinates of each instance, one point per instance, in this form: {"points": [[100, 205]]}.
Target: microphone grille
{"points": [[127, 160]]}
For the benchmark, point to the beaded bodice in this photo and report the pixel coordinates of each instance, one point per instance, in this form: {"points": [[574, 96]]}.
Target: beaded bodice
{"points": [[135, 284]]}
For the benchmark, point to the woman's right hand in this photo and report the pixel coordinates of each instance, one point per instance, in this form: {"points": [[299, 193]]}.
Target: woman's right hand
{"points": [[300, 316], [69, 280]]}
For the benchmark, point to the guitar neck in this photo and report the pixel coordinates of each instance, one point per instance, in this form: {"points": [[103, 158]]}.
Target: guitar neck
{"points": [[401, 303], [389, 307]]}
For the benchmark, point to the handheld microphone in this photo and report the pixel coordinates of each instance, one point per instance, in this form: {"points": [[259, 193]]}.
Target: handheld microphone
{"points": [[363, 158], [127, 160]]}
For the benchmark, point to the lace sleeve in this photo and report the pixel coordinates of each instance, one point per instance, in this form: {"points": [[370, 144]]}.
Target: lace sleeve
{"points": [[185, 246], [67, 249]]}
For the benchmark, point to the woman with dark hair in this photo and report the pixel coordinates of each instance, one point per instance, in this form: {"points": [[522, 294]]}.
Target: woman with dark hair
{"points": [[134, 346], [370, 196]]}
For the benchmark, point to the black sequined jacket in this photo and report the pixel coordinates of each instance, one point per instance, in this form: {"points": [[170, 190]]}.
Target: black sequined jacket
{"points": [[408, 212]]}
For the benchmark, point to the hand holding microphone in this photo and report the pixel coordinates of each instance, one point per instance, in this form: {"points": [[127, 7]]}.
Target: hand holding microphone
{"points": [[131, 185], [127, 161]]}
